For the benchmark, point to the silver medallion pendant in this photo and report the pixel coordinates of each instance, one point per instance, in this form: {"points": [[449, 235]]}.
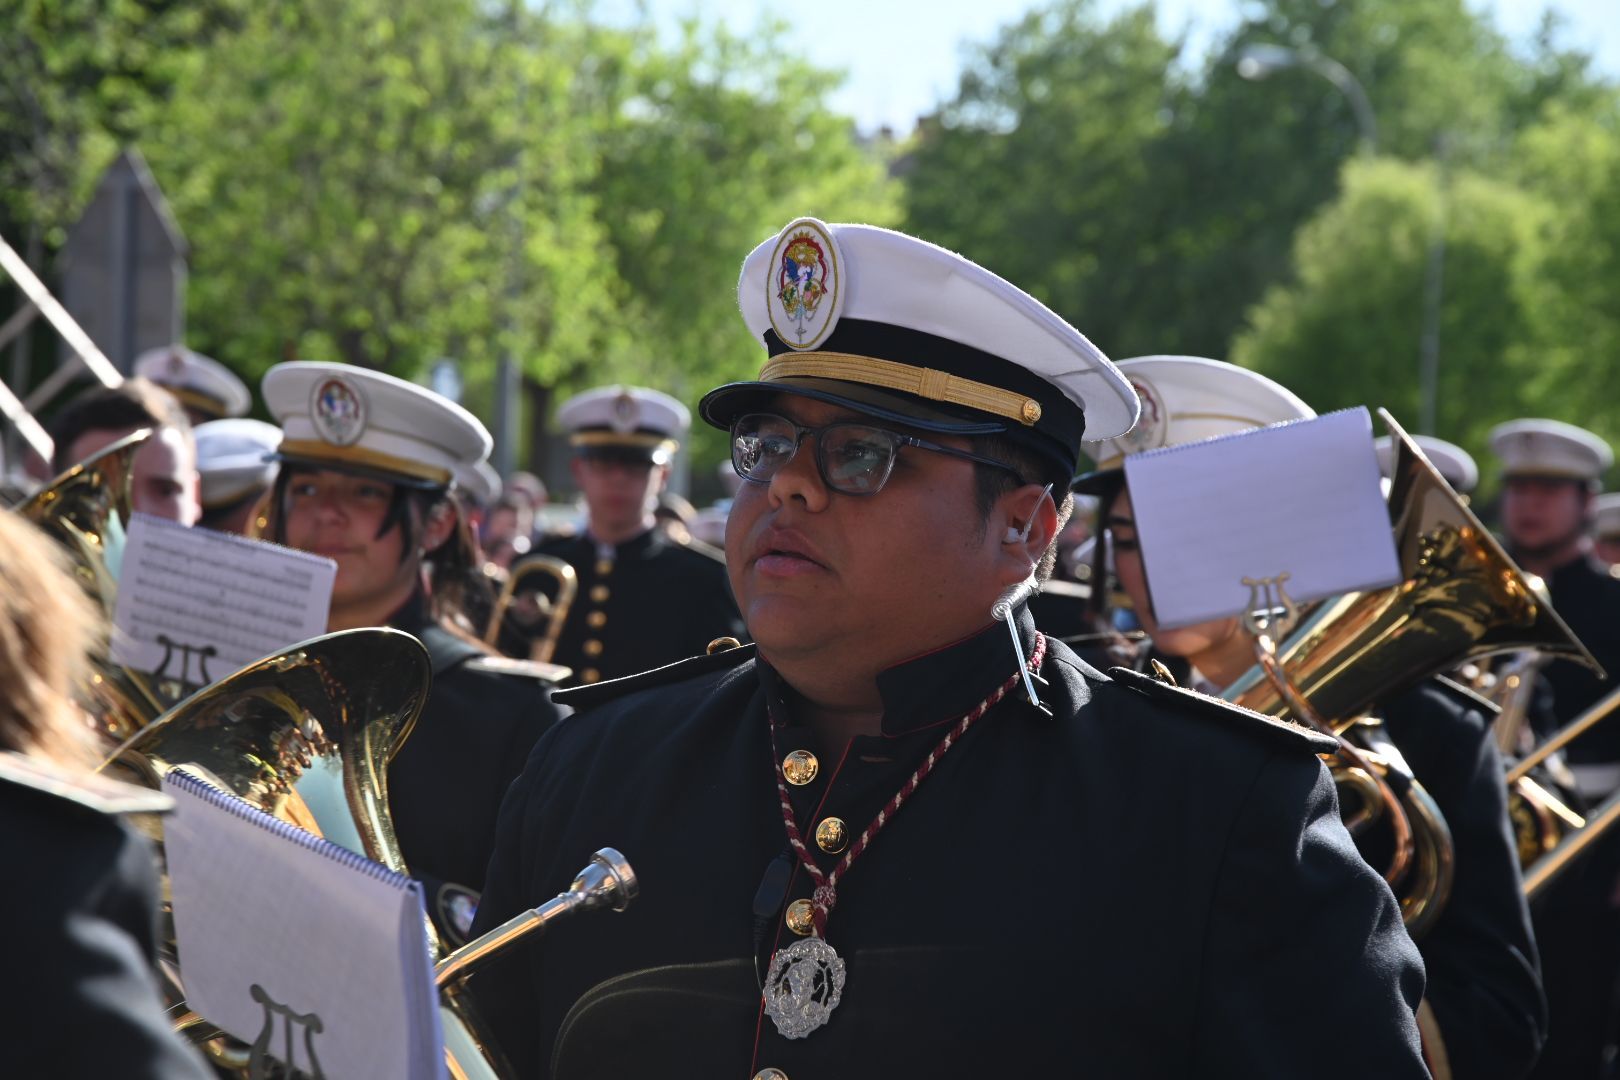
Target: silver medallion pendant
{"points": [[803, 986]]}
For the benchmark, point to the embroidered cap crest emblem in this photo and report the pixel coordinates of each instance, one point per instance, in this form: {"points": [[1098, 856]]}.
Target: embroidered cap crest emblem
{"points": [[626, 413], [338, 411], [1151, 425], [804, 290]]}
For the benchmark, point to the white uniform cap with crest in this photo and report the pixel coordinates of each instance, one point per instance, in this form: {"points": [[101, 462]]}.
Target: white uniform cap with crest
{"points": [[1550, 448], [235, 458], [479, 481], [892, 326], [200, 382], [337, 416], [625, 421], [1606, 516], [1185, 399], [1450, 460]]}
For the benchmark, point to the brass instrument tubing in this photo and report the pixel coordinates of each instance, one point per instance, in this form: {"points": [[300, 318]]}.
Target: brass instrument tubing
{"points": [[1546, 869], [1265, 651], [1566, 735]]}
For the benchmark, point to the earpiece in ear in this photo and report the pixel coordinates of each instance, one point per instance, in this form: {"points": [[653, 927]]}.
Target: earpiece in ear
{"points": [[1013, 536]]}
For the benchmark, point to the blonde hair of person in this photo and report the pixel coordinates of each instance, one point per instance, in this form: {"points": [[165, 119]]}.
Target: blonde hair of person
{"points": [[48, 627]]}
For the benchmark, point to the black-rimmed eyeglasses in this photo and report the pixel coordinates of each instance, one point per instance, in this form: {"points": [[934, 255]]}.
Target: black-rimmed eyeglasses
{"points": [[853, 458]]}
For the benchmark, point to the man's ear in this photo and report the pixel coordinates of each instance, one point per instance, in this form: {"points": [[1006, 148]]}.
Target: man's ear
{"points": [[1027, 522]]}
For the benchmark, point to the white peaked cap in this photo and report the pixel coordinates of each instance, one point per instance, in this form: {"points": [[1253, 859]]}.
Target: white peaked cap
{"points": [[1450, 460], [341, 416], [1550, 448]]}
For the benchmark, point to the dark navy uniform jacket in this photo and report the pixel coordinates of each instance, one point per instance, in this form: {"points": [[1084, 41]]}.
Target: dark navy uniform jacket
{"points": [[1587, 596], [81, 928], [642, 604], [446, 782], [1145, 885], [1484, 976]]}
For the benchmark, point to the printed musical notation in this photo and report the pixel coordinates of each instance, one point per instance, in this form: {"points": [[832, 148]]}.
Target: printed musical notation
{"points": [[195, 605]]}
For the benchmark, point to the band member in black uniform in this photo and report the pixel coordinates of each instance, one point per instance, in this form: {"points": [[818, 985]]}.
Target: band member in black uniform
{"points": [[873, 846], [1606, 530], [236, 463], [366, 467], [1484, 985], [81, 912], [1550, 474], [646, 598]]}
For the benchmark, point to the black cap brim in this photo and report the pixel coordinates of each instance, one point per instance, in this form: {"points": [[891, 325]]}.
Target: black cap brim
{"points": [[1099, 482]]}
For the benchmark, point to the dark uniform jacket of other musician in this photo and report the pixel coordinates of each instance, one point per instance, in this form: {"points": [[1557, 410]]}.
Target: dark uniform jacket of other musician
{"points": [[1587, 596], [1484, 978], [1146, 885], [652, 602], [475, 732], [80, 911]]}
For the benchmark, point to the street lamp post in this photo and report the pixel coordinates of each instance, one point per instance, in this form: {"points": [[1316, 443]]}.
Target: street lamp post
{"points": [[1260, 60]]}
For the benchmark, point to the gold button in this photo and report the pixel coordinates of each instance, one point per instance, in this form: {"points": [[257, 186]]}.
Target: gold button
{"points": [[832, 835], [596, 620], [1031, 410], [723, 644], [770, 1074], [801, 917], [592, 647], [590, 674], [800, 767], [604, 567], [599, 593]]}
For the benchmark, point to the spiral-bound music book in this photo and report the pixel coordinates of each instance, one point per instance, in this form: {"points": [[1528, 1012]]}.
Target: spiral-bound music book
{"points": [[314, 953]]}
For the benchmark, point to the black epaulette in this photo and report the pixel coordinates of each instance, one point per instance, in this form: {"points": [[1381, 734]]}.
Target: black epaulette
{"points": [[90, 790], [580, 698], [1290, 734]]}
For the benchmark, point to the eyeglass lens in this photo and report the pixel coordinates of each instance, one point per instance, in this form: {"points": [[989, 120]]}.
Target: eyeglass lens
{"points": [[853, 458]]}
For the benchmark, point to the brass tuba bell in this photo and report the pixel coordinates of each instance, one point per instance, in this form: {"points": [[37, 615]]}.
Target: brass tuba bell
{"points": [[1460, 597], [87, 510], [306, 735]]}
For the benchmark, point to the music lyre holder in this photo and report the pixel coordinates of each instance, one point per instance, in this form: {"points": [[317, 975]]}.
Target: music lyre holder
{"points": [[201, 652], [1269, 617], [265, 1064]]}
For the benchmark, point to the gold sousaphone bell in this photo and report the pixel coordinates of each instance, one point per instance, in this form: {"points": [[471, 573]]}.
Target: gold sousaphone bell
{"points": [[306, 736], [1460, 597]]}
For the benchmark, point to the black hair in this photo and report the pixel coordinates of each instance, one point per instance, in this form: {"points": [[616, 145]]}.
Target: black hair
{"points": [[456, 572], [134, 403]]}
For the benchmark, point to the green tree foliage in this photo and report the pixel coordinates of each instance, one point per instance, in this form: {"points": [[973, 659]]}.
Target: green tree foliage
{"points": [[1347, 331], [1153, 197], [384, 182], [714, 145]]}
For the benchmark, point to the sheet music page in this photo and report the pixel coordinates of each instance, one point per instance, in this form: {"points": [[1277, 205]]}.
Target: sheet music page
{"points": [[196, 605], [285, 937], [1300, 498]]}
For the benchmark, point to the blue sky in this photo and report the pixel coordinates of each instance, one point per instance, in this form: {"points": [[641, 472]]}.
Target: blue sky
{"points": [[902, 56]]}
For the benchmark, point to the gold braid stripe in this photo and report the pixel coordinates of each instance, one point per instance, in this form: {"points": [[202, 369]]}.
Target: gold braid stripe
{"points": [[613, 438], [315, 451], [890, 375]]}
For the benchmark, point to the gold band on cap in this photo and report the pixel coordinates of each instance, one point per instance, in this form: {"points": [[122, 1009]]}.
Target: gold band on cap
{"points": [[359, 456], [196, 399], [891, 375], [614, 438]]}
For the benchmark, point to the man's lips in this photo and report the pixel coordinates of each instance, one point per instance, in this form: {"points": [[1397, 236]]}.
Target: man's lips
{"points": [[786, 552]]}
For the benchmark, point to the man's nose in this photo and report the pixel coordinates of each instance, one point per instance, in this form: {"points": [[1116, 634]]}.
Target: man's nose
{"points": [[800, 479]]}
